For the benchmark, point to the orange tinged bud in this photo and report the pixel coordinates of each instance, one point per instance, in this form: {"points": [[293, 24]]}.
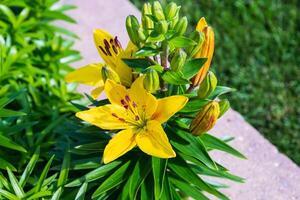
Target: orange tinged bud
{"points": [[206, 51]]}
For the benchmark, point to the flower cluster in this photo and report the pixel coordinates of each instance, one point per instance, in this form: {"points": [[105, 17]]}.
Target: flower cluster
{"points": [[161, 77]]}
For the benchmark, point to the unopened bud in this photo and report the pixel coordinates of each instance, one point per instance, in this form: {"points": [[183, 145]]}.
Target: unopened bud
{"points": [[141, 35], [199, 38], [224, 106], [108, 73], [162, 27], [151, 81], [208, 85], [157, 10], [178, 60], [171, 11], [146, 21], [205, 119], [132, 27], [181, 26]]}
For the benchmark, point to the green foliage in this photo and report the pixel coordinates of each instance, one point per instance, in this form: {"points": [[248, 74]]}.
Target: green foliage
{"points": [[257, 47]]}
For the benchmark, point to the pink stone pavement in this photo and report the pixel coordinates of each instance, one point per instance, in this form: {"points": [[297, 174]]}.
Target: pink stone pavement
{"points": [[269, 174]]}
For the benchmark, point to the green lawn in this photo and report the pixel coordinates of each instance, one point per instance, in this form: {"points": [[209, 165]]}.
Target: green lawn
{"points": [[257, 52]]}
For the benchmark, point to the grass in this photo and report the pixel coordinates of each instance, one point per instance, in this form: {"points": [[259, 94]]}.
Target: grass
{"points": [[257, 47]]}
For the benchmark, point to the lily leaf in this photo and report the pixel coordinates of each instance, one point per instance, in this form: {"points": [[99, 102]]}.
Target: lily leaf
{"points": [[181, 41], [192, 67], [175, 78]]}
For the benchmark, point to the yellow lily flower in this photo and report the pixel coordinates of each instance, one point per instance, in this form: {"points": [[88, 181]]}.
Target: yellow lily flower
{"points": [[139, 114], [206, 51], [112, 53]]}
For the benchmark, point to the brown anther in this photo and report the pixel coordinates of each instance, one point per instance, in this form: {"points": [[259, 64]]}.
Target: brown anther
{"points": [[137, 118], [115, 49], [127, 98], [117, 43], [126, 107], [122, 119], [106, 43], [102, 50], [123, 102], [111, 41], [107, 50], [134, 105], [115, 115]]}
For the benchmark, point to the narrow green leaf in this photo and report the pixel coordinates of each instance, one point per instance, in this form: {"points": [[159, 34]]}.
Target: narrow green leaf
{"points": [[29, 168], [9, 14], [7, 99], [39, 195], [220, 90], [167, 190], [119, 176], [137, 63], [57, 194], [188, 189], [8, 143], [189, 145], [146, 51], [175, 78], [4, 164], [14, 182], [8, 195], [81, 192], [181, 42], [58, 15], [192, 67], [63, 176], [95, 174], [140, 172], [159, 167], [212, 142], [181, 168], [194, 105], [43, 175], [10, 113]]}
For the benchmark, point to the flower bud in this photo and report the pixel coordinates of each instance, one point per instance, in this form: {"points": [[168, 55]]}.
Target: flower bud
{"points": [[175, 19], [171, 10], [178, 60], [162, 26], [208, 85], [157, 10], [146, 21], [205, 119], [224, 106], [199, 38], [141, 35], [181, 26], [109, 73], [206, 51], [132, 27], [151, 80]]}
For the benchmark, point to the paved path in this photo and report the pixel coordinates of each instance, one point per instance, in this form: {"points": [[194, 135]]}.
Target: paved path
{"points": [[270, 175]]}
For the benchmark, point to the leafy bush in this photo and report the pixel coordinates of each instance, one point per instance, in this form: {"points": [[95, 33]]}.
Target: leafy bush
{"points": [[258, 47]]}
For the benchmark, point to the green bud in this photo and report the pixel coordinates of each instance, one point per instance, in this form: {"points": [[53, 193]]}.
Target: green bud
{"points": [[132, 27], [208, 85], [108, 73], [205, 119], [181, 26], [175, 19], [178, 60], [171, 10], [162, 27], [141, 35], [146, 21], [157, 10], [151, 80], [198, 37], [224, 106]]}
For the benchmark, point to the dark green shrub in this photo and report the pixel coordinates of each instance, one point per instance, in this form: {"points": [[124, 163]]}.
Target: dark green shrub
{"points": [[257, 47]]}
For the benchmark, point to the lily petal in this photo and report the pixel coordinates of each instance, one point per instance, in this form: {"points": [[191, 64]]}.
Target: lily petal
{"points": [[201, 24], [120, 144], [108, 47], [146, 102], [110, 117], [153, 141], [115, 93], [97, 91], [89, 75], [168, 106]]}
